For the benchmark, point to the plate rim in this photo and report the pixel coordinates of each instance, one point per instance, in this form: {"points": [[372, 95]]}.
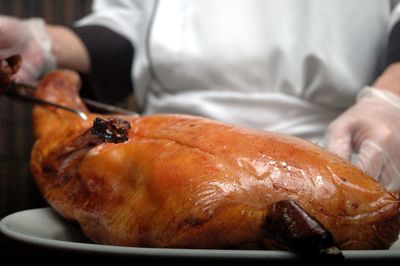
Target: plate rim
{"points": [[10, 231]]}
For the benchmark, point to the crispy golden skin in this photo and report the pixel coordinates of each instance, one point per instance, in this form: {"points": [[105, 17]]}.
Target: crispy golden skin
{"points": [[185, 181]]}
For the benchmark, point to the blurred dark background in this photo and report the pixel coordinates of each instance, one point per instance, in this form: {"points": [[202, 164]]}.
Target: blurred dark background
{"points": [[17, 189]]}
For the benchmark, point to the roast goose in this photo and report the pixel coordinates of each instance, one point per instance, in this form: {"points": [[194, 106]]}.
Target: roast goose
{"points": [[182, 181]]}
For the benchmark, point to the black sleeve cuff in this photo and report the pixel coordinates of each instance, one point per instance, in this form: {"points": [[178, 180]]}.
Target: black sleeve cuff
{"points": [[111, 57], [393, 53]]}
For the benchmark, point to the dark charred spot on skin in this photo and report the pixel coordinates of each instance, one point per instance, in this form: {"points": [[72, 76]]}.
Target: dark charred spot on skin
{"points": [[111, 129], [295, 229], [354, 205]]}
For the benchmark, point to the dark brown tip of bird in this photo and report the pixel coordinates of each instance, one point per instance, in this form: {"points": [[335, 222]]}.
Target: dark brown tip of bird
{"points": [[291, 226], [111, 129]]}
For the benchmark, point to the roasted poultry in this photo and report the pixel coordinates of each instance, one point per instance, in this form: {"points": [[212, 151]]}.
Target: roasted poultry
{"points": [[182, 181]]}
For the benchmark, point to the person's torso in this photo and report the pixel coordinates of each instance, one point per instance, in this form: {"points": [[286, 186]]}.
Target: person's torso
{"points": [[283, 65]]}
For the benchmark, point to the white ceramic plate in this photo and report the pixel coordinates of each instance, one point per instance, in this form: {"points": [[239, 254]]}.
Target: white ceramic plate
{"points": [[46, 228]]}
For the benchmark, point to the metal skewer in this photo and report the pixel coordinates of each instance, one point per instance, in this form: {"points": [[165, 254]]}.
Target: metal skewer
{"points": [[32, 99], [107, 107], [25, 92]]}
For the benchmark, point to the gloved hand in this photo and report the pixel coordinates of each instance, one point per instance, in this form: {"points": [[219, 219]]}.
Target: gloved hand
{"points": [[30, 39], [371, 129]]}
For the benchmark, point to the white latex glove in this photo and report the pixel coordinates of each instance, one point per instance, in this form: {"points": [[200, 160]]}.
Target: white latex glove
{"points": [[30, 39], [371, 129]]}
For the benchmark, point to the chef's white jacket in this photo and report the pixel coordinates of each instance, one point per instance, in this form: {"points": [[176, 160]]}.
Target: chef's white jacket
{"points": [[289, 66]]}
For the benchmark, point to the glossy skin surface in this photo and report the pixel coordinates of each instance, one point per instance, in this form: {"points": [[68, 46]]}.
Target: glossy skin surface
{"points": [[183, 181]]}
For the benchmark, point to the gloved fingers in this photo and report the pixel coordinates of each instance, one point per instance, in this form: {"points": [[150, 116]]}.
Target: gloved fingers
{"points": [[13, 36], [377, 163], [338, 140], [30, 68], [370, 159], [30, 39]]}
